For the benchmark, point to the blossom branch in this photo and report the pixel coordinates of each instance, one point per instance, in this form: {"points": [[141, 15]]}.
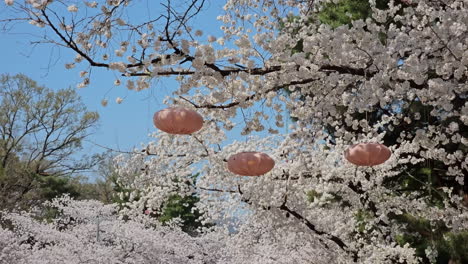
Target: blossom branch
{"points": [[312, 227]]}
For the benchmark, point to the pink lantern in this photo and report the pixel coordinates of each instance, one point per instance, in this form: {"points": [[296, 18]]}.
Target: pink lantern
{"points": [[250, 163], [367, 154], [177, 120]]}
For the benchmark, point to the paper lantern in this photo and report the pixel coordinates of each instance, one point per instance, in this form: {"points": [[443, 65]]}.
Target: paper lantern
{"points": [[250, 163], [177, 120], [367, 154]]}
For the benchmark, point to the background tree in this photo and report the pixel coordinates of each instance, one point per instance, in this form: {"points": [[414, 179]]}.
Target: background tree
{"points": [[40, 133]]}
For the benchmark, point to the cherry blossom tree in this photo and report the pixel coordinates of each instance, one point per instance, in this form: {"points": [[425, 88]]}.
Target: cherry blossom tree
{"points": [[404, 64], [90, 232]]}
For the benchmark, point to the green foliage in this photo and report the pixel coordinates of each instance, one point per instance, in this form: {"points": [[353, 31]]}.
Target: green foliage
{"points": [[176, 206], [421, 234], [455, 246], [49, 214], [344, 12], [312, 195], [184, 208], [55, 186], [362, 219], [122, 194]]}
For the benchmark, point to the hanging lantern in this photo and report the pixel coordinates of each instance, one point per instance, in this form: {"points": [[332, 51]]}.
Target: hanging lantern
{"points": [[250, 163], [177, 120], [367, 154]]}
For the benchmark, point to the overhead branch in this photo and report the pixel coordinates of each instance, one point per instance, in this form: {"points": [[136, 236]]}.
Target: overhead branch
{"points": [[71, 43], [215, 190], [248, 98], [226, 71], [322, 234]]}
